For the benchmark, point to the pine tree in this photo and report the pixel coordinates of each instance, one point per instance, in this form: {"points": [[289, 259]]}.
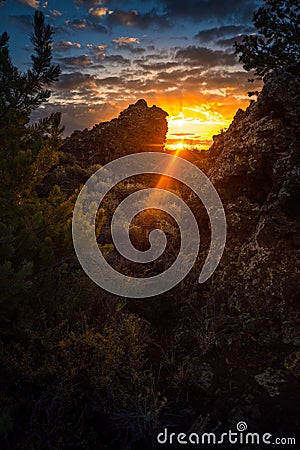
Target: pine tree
{"points": [[23, 92], [32, 226]]}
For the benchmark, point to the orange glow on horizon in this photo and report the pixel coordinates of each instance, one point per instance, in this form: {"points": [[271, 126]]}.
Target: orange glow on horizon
{"points": [[194, 128], [176, 147]]}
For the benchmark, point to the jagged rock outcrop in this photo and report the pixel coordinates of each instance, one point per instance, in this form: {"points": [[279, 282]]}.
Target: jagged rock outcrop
{"points": [[258, 156], [138, 128]]}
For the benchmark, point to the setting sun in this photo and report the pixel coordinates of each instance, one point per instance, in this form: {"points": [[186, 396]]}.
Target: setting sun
{"points": [[179, 146], [194, 127]]}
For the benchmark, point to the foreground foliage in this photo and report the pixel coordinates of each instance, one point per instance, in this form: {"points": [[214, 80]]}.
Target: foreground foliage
{"points": [[73, 367]]}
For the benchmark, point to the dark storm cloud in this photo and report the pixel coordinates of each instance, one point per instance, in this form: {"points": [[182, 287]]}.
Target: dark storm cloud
{"points": [[175, 75], [110, 81], [117, 59], [88, 3], [193, 80], [75, 61], [136, 50], [137, 19], [85, 61], [83, 24], [231, 41], [31, 3], [98, 51], [205, 57], [159, 65], [203, 9], [217, 79], [163, 54], [71, 81], [212, 34], [64, 46], [139, 86], [80, 115]]}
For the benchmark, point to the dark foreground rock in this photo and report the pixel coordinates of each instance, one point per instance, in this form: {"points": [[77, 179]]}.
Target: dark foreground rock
{"points": [[245, 321]]}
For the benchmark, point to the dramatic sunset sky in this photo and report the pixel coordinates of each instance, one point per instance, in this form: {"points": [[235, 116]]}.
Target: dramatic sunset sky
{"points": [[177, 54]]}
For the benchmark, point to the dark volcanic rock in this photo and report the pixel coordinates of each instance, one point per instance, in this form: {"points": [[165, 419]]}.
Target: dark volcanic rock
{"points": [[250, 306], [138, 128]]}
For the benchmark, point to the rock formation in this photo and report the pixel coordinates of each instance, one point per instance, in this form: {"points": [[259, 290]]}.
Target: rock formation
{"points": [[252, 301], [138, 128]]}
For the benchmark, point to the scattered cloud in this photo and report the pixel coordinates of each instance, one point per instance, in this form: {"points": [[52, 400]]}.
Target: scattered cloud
{"points": [[205, 57], [212, 34], [84, 24], [88, 3], [55, 13], [97, 50], [72, 81], [126, 41], [31, 3], [76, 61], [136, 19], [98, 12], [136, 50], [159, 66], [230, 41], [225, 35], [65, 46], [117, 60], [219, 10], [80, 115], [202, 73], [79, 24], [110, 81]]}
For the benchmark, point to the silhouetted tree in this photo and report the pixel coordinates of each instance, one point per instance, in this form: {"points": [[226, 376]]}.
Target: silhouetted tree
{"points": [[278, 42], [25, 91], [29, 222]]}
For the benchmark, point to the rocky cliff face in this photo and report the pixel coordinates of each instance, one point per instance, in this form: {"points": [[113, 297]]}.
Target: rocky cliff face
{"points": [[138, 128], [251, 304]]}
